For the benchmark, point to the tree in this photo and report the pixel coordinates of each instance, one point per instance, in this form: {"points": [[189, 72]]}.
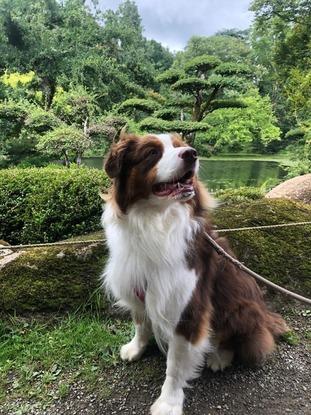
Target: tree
{"points": [[254, 126], [199, 88], [65, 141], [226, 47], [281, 41]]}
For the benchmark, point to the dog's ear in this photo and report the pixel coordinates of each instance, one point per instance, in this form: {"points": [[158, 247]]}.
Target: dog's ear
{"points": [[116, 156]]}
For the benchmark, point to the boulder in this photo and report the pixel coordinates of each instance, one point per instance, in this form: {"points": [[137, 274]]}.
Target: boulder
{"points": [[298, 188]]}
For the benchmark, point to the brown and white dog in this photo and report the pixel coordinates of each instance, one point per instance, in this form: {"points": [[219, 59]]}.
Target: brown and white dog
{"points": [[164, 271]]}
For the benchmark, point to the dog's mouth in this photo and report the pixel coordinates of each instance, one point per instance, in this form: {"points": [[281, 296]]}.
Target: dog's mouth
{"points": [[181, 188]]}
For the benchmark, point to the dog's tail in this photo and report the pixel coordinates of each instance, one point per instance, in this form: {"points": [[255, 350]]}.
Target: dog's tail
{"points": [[276, 324]]}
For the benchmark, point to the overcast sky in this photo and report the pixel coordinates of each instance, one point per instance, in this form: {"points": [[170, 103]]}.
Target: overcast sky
{"points": [[173, 22]]}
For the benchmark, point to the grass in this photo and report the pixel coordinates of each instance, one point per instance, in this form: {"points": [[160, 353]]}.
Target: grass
{"points": [[39, 360]]}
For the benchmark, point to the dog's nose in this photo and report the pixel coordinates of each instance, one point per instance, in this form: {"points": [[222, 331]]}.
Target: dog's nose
{"points": [[188, 154]]}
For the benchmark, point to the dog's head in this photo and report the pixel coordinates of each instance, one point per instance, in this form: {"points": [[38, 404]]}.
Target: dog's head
{"points": [[160, 168]]}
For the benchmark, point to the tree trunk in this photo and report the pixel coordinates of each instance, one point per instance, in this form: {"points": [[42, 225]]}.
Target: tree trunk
{"points": [[79, 159], [48, 86], [67, 162]]}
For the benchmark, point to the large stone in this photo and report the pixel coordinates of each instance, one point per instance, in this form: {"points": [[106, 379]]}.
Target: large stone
{"points": [[298, 188]]}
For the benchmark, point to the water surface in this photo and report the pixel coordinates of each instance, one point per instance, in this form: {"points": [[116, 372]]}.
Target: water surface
{"points": [[226, 173]]}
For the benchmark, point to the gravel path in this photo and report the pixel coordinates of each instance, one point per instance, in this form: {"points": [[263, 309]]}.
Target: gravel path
{"points": [[282, 386]]}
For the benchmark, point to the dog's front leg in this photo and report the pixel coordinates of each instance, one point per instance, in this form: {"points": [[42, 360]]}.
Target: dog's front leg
{"points": [[136, 347], [183, 361]]}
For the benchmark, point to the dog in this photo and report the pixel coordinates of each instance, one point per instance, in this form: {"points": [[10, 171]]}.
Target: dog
{"points": [[200, 307]]}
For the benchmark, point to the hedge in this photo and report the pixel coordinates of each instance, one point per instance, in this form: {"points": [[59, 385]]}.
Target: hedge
{"points": [[66, 278], [49, 204]]}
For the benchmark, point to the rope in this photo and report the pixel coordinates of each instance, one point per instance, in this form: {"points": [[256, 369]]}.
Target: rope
{"points": [[280, 225], [258, 277], [51, 244], [92, 241], [215, 245]]}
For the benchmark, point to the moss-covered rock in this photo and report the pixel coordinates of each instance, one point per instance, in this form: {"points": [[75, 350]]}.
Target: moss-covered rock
{"points": [[53, 279], [67, 278], [282, 255]]}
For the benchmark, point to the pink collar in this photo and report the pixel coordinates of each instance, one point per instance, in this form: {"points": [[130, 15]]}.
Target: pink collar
{"points": [[140, 294]]}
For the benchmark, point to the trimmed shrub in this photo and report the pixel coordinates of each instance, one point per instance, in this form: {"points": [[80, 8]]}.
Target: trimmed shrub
{"points": [[239, 195], [49, 204], [64, 278], [280, 254]]}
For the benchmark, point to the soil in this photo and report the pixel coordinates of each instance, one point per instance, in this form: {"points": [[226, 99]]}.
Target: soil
{"points": [[281, 386]]}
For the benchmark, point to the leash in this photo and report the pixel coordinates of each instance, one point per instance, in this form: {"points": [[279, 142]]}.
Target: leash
{"points": [[94, 241], [212, 242], [258, 277]]}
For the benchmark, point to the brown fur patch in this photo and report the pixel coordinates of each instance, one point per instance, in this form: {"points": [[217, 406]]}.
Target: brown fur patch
{"points": [[226, 297], [131, 163]]}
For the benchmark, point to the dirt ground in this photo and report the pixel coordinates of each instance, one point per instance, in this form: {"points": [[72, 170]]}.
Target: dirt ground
{"points": [[281, 386]]}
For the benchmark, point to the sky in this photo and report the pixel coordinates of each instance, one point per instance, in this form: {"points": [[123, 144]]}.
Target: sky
{"points": [[173, 22]]}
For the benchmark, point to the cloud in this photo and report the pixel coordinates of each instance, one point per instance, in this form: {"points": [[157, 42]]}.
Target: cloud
{"points": [[173, 22]]}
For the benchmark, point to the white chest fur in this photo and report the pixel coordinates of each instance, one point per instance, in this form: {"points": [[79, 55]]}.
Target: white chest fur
{"points": [[147, 252]]}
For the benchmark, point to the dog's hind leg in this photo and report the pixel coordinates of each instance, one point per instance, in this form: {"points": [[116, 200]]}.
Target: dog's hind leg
{"points": [[220, 356], [184, 361], [219, 359], [136, 347]]}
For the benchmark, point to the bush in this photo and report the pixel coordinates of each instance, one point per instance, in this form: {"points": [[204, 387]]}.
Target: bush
{"points": [[49, 204], [281, 254], [239, 195]]}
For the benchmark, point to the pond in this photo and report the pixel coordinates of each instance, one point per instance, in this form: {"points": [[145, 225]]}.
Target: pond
{"points": [[226, 172]]}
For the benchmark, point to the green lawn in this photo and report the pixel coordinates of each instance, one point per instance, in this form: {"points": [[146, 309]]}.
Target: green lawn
{"points": [[41, 359]]}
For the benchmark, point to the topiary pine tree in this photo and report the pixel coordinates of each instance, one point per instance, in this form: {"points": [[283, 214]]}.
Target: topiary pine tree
{"points": [[203, 85]]}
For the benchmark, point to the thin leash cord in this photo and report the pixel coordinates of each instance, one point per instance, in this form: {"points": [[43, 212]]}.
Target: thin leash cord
{"points": [[258, 277], [215, 245], [250, 228], [92, 241]]}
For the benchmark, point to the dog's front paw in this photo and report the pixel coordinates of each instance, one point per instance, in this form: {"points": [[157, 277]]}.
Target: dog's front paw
{"points": [[161, 407], [131, 351]]}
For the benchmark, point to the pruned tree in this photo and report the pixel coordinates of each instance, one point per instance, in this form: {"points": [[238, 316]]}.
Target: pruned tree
{"points": [[203, 85], [65, 141]]}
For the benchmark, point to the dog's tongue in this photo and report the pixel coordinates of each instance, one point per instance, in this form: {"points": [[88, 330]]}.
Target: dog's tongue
{"points": [[173, 189]]}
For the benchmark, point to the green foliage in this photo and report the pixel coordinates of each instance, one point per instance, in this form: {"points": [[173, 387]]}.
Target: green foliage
{"points": [[170, 76], [228, 103], [64, 141], [281, 42], [201, 64], [298, 132], [253, 124], [74, 106], [46, 356], [49, 204], [239, 195], [169, 113], [291, 338], [190, 85], [226, 48], [146, 105], [183, 127], [231, 68], [280, 254]]}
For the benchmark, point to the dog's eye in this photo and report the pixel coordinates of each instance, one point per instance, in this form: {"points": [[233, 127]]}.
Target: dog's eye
{"points": [[154, 152]]}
